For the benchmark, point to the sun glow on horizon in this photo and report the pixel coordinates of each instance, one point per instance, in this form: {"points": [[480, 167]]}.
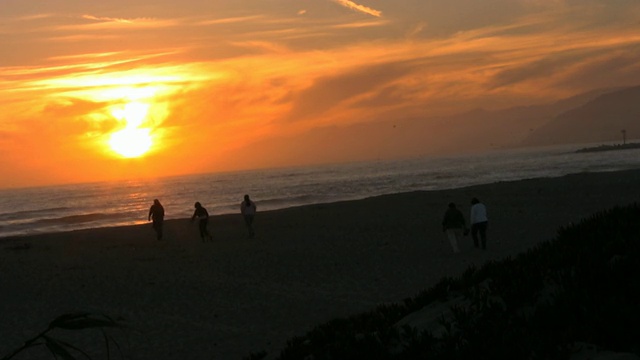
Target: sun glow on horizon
{"points": [[140, 100], [134, 140]]}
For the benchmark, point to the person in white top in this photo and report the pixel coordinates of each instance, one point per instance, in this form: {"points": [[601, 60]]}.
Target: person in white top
{"points": [[248, 209], [479, 222]]}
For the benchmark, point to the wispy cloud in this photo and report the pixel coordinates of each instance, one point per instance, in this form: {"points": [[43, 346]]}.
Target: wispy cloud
{"points": [[416, 30], [361, 24], [106, 19], [35, 17], [231, 20], [101, 22], [361, 8]]}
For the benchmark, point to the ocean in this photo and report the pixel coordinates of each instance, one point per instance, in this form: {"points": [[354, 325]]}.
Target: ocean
{"points": [[71, 207]]}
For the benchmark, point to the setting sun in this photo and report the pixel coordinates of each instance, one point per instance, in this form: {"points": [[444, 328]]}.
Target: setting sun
{"points": [[133, 140]]}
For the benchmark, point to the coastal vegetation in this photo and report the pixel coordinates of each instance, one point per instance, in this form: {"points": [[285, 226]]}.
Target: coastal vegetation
{"points": [[578, 291]]}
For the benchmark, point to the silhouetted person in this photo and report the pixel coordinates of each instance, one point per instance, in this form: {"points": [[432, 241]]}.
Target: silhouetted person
{"points": [[203, 216], [248, 209], [156, 212], [479, 221], [454, 226]]}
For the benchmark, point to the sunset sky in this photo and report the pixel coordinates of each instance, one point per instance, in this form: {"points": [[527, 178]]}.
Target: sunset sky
{"points": [[109, 90]]}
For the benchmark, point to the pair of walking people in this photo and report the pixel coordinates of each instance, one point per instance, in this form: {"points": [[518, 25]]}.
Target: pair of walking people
{"points": [[247, 208], [156, 213], [454, 225]]}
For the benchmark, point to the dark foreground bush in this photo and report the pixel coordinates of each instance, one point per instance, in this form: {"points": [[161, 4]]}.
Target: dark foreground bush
{"points": [[581, 287]]}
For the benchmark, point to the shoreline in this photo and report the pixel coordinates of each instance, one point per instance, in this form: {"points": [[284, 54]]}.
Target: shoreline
{"points": [[307, 264], [39, 210]]}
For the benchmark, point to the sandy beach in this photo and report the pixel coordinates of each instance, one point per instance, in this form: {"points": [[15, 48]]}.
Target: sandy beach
{"points": [[185, 299]]}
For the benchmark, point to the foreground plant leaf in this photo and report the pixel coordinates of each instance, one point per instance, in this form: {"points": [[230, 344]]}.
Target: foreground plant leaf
{"points": [[79, 321]]}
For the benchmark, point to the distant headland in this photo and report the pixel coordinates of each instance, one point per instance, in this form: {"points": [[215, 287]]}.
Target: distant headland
{"points": [[610, 147]]}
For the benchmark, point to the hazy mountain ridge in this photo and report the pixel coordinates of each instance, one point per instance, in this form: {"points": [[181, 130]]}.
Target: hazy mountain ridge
{"points": [[471, 131], [599, 120]]}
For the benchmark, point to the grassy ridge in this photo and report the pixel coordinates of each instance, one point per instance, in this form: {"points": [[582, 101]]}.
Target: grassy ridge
{"points": [[581, 287]]}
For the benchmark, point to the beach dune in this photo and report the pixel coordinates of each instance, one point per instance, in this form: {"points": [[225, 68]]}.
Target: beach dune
{"points": [[184, 299]]}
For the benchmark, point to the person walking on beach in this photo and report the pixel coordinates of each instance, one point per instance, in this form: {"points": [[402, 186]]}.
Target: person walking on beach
{"points": [[454, 225], [479, 222], [248, 210], [203, 216], [156, 213]]}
